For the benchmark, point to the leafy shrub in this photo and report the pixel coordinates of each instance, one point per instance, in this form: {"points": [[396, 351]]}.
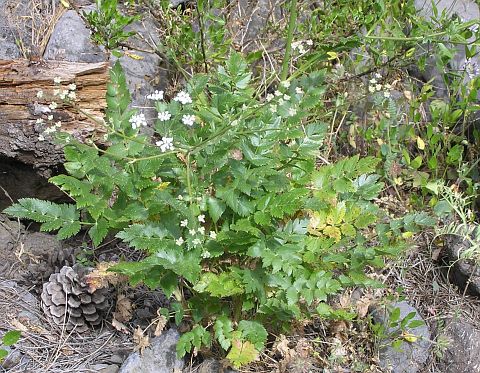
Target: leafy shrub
{"points": [[226, 200]]}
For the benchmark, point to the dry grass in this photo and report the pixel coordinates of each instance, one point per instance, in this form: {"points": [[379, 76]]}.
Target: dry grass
{"points": [[32, 23], [46, 348]]}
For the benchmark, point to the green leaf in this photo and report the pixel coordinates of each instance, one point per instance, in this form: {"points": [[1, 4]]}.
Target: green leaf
{"points": [[3, 354], [222, 285], [196, 338], [254, 332], [99, 231], [223, 331], [11, 337], [215, 208]]}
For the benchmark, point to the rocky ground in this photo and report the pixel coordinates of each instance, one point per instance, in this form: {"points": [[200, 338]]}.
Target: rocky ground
{"points": [[444, 296]]}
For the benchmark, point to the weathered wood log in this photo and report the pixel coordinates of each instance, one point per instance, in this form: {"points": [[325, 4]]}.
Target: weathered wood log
{"points": [[21, 107]]}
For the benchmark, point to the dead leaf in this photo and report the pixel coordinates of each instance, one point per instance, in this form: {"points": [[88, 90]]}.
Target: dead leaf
{"points": [[100, 277], [436, 254], [141, 341], [119, 326], [124, 309], [362, 306], [161, 322]]}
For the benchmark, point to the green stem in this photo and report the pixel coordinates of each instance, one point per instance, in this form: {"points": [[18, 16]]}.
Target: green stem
{"points": [[288, 46]]}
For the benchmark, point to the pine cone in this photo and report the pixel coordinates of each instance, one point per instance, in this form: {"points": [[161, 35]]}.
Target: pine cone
{"points": [[66, 298]]}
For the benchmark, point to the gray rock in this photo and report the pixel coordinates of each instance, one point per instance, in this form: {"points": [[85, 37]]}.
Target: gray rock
{"points": [[412, 356], [466, 10], [464, 273], [70, 41], [8, 47], [211, 366], [160, 357], [116, 358], [462, 354], [13, 358], [105, 368]]}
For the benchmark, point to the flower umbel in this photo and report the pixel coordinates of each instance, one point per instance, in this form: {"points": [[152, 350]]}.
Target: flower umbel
{"points": [[138, 120], [183, 97], [188, 120], [156, 96], [165, 144], [164, 116]]}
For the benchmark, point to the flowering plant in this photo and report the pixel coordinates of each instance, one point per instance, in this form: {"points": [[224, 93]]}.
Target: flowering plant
{"points": [[225, 198]]}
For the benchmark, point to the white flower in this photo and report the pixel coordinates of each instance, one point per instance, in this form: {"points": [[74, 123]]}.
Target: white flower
{"points": [[273, 108], [378, 76], [188, 120], [41, 138], [156, 96], [206, 254], [183, 97], [270, 97], [50, 130], [56, 92], [184, 223], [166, 143], [164, 116], [196, 242], [50, 117], [72, 95], [72, 86], [286, 97], [278, 93], [58, 124], [201, 230], [63, 94], [386, 94], [192, 231], [180, 197], [378, 87], [201, 218], [373, 81], [292, 112], [53, 105], [388, 86], [179, 241], [299, 91], [57, 80], [371, 88], [40, 94], [213, 235], [301, 49], [138, 120], [39, 121], [285, 84], [309, 42]]}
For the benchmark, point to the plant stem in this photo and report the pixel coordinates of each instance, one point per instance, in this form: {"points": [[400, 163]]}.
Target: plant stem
{"points": [[288, 46], [202, 37]]}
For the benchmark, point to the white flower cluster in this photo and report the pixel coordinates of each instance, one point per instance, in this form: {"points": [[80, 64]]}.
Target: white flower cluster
{"points": [[166, 143], [183, 97], [155, 96], [164, 116], [299, 46], [138, 120], [375, 86], [193, 232], [188, 120]]}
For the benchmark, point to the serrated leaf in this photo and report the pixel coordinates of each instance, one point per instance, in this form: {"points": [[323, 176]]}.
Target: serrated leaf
{"points": [[99, 231], [241, 353], [215, 208], [11, 337], [254, 332], [223, 331]]}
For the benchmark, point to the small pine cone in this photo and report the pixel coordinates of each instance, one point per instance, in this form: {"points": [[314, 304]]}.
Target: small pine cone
{"points": [[66, 298]]}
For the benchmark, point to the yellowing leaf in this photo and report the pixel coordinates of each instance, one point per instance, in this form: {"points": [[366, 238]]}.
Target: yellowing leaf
{"points": [[420, 143], [65, 3], [333, 232], [133, 56], [409, 337], [241, 353], [332, 55], [379, 141], [163, 185]]}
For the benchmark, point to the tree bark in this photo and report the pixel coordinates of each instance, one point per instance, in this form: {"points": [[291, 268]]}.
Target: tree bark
{"points": [[21, 108]]}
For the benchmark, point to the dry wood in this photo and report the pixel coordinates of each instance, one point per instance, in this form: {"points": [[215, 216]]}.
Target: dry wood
{"points": [[20, 108]]}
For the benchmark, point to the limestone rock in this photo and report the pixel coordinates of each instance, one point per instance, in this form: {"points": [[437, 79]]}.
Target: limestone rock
{"points": [[412, 356], [462, 353], [160, 357]]}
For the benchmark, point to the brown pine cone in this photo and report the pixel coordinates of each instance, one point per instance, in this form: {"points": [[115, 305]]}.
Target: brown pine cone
{"points": [[67, 299]]}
